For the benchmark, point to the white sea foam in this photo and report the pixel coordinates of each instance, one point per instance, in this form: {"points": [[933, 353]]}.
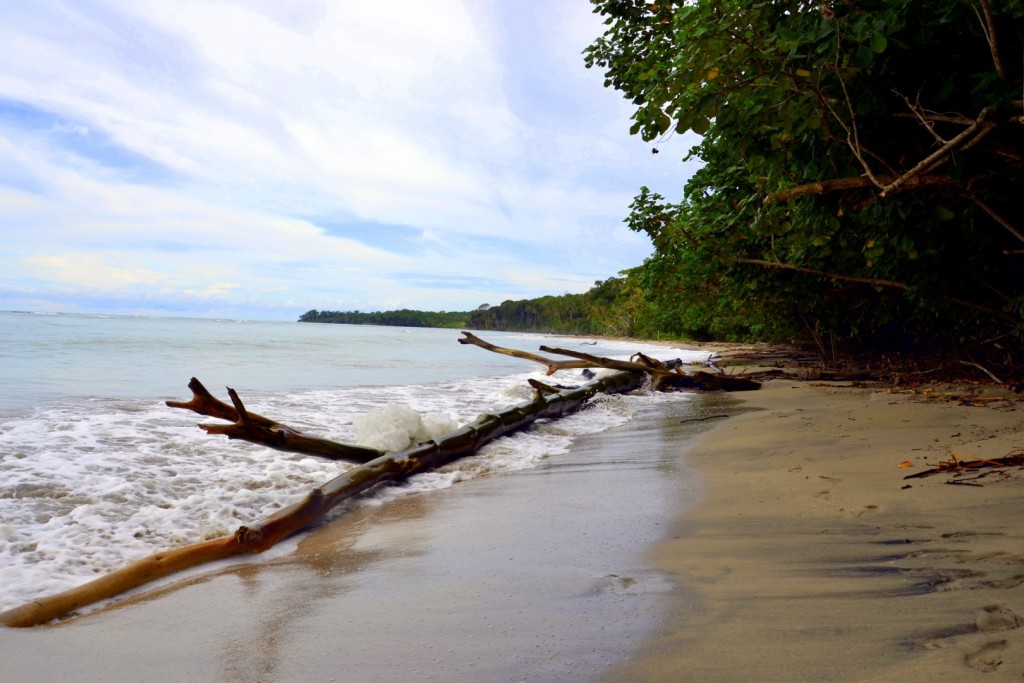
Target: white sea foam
{"points": [[87, 486], [395, 427]]}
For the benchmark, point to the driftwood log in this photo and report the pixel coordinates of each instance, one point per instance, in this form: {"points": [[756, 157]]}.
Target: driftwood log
{"points": [[664, 377], [547, 402], [262, 430]]}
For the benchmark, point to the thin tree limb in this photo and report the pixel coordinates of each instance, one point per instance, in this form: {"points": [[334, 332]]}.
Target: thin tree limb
{"points": [[593, 361], [988, 27], [552, 366], [931, 117], [994, 312], [852, 183], [983, 369], [918, 113], [939, 155], [852, 135], [814, 271], [998, 218]]}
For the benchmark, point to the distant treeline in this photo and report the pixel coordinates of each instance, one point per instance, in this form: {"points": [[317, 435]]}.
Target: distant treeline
{"points": [[611, 307], [402, 318]]}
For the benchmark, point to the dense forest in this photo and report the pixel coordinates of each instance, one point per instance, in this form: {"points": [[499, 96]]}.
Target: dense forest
{"points": [[863, 163]]}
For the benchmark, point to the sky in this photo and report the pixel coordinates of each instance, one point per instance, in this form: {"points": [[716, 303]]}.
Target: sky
{"points": [[257, 159]]}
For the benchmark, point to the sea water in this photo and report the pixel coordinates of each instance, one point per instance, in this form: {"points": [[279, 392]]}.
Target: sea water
{"points": [[96, 471]]}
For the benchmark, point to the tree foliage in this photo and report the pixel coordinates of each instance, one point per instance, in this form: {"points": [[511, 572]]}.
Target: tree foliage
{"points": [[613, 307], [400, 318], [862, 165], [606, 309]]}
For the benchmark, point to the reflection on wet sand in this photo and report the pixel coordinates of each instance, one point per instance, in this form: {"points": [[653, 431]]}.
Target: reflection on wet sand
{"points": [[534, 574]]}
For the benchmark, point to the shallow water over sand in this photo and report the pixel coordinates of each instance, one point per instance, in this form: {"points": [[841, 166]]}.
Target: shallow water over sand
{"points": [[529, 575]]}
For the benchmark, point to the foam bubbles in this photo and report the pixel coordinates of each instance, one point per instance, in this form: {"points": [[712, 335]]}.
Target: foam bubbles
{"points": [[395, 427]]}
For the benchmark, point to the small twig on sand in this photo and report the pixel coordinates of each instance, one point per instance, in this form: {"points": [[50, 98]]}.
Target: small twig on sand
{"points": [[1014, 458], [964, 482], [701, 419]]}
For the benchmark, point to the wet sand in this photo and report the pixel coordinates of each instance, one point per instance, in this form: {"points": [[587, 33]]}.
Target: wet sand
{"points": [[531, 575], [813, 559]]}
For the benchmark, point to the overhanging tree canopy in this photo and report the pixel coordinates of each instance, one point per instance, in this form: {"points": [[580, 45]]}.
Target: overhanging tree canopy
{"points": [[863, 162]]}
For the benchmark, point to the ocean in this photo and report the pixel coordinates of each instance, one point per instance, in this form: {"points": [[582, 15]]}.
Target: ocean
{"points": [[96, 471]]}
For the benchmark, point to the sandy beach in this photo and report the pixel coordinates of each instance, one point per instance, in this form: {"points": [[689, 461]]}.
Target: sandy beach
{"points": [[812, 559], [779, 544]]}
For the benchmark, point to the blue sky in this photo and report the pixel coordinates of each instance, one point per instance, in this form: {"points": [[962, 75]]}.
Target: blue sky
{"points": [[258, 158]]}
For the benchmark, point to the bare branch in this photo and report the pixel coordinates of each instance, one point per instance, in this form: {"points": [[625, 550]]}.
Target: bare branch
{"points": [[918, 113], [994, 312], [999, 219], [852, 136], [254, 428], [593, 361], [983, 369], [541, 388], [988, 27], [979, 129], [815, 271], [853, 183], [552, 366], [933, 117], [204, 403]]}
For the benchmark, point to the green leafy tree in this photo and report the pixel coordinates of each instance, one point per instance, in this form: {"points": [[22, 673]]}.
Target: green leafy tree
{"points": [[863, 164]]}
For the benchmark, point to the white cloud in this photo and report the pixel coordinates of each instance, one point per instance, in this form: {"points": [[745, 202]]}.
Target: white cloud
{"points": [[178, 142]]}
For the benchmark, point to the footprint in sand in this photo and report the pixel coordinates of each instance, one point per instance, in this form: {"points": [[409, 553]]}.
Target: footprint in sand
{"points": [[866, 510], [987, 658], [1004, 583], [997, 618]]}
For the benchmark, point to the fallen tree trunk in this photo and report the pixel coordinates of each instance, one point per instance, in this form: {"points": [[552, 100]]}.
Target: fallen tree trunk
{"points": [[664, 377], [255, 538]]}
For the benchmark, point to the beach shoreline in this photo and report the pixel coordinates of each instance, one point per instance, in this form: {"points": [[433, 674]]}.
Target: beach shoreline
{"points": [[807, 557], [812, 558], [536, 574]]}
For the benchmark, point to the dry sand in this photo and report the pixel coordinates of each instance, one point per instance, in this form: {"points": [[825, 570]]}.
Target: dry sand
{"points": [[812, 559], [807, 559]]}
